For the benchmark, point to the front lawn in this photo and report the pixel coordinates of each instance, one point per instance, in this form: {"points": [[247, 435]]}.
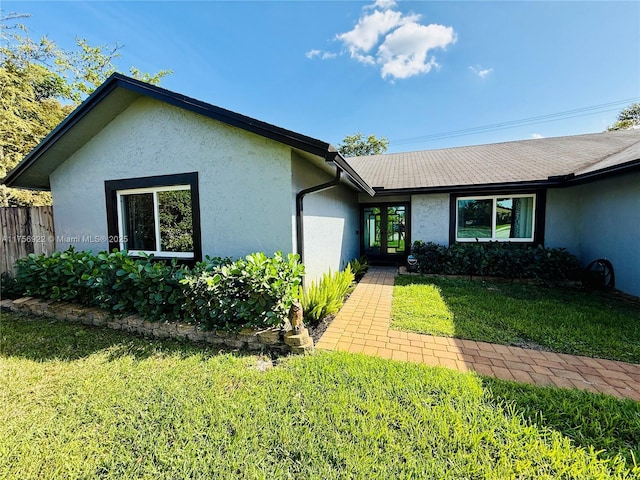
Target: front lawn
{"points": [[82, 402], [560, 320]]}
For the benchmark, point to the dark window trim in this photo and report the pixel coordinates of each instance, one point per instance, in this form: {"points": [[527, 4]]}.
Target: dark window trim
{"points": [[112, 187], [539, 221]]}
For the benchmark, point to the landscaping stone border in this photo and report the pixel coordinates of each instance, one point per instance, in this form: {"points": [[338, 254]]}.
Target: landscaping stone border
{"points": [[274, 339]]}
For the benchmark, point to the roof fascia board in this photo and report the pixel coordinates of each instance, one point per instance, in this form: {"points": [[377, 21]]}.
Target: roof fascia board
{"points": [[116, 80], [492, 187], [287, 137], [334, 156], [605, 172], [273, 132]]}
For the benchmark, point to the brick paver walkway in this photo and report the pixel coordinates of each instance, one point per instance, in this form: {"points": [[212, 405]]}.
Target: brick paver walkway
{"points": [[362, 326]]}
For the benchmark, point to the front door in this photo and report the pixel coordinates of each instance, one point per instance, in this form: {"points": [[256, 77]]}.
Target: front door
{"points": [[385, 232]]}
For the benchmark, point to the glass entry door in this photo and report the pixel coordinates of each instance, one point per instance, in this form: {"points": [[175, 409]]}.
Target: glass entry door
{"points": [[385, 232]]}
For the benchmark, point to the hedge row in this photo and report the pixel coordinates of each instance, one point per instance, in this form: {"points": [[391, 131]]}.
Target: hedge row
{"points": [[496, 259], [255, 291]]}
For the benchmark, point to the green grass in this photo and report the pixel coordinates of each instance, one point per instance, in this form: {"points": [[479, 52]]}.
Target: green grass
{"points": [[561, 320], [80, 402]]}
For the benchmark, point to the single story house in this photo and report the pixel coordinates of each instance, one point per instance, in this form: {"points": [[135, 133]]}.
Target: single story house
{"points": [[141, 168]]}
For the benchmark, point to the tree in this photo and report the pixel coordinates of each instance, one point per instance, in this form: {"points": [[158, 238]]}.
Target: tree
{"points": [[356, 145], [40, 84], [627, 118]]}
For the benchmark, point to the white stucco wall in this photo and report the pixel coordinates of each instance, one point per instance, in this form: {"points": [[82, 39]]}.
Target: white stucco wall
{"points": [[331, 221], [600, 220], [430, 218], [244, 179]]}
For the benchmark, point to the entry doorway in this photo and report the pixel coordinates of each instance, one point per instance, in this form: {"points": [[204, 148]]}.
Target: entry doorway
{"points": [[385, 232]]}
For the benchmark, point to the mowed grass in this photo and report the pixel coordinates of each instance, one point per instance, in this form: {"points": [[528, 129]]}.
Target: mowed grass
{"points": [[80, 402], [560, 320]]}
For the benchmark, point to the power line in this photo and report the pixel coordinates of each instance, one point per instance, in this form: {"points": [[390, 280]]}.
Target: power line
{"points": [[552, 117]]}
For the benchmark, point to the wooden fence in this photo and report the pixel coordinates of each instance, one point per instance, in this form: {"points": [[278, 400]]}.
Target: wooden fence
{"points": [[25, 230]]}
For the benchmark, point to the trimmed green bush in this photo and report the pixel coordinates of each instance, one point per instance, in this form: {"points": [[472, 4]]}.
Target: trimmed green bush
{"points": [[254, 291], [326, 297], [124, 284], [57, 277], [496, 259], [216, 293]]}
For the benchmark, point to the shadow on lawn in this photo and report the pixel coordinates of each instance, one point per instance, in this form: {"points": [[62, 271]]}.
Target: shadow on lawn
{"points": [[600, 421], [43, 339]]}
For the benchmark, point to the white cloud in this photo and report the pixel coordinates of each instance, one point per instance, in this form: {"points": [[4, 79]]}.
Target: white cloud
{"points": [[381, 4], [536, 136], [320, 54], [404, 52], [367, 32], [481, 72], [397, 42]]}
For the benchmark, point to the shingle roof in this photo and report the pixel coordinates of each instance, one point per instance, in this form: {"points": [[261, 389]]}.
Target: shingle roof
{"points": [[501, 163]]}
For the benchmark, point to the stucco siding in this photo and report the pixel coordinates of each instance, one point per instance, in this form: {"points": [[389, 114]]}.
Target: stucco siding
{"points": [[430, 218], [331, 221], [562, 219], [244, 179], [600, 220]]}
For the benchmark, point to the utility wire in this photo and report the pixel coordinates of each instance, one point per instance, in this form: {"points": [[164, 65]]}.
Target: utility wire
{"points": [[552, 117]]}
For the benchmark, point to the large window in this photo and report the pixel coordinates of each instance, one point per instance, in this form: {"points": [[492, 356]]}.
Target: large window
{"points": [[156, 220], [495, 218], [155, 215]]}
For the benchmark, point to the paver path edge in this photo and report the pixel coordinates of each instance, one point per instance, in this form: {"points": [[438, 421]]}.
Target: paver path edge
{"points": [[362, 326]]}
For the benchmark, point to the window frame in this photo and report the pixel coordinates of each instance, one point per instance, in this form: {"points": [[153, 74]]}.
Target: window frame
{"points": [[538, 214], [115, 189]]}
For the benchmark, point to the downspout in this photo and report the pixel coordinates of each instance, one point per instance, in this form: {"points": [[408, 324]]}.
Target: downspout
{"points": [[300, 209]]}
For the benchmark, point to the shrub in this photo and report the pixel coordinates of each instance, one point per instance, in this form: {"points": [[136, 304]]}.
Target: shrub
{"points": [[430, 256], [359, 267], [508, 260], [125, 284], [326, 296], [57, 277], [216, 293], [9, 287], [256, 291]]}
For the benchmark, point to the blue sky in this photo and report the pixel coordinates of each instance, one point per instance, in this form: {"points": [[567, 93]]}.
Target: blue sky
{"points": [[409, 71]]}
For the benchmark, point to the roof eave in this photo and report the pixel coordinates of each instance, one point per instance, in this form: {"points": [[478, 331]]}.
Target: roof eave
{"points": [[605, 172], [116, 80], [506, 187], [333, 155]]}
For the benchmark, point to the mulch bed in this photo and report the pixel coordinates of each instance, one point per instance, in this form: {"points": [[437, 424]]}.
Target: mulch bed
{"points": [[316, 331]]}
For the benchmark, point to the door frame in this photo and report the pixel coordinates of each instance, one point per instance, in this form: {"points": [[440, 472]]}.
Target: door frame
{"points": [[387, 258]]}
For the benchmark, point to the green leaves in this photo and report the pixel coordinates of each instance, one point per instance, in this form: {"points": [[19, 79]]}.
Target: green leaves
{"points": [[496, 259], [356, 145], [217, 293], [41, 83], [326, 297], [113, 281], [255, 291]]}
